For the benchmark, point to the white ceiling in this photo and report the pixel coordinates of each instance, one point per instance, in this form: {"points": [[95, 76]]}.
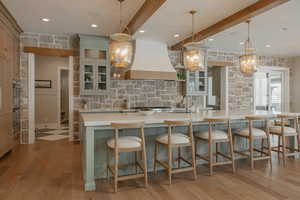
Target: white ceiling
{"points": [[71, 16], [266, 29], [76, 16], [173, 17]]}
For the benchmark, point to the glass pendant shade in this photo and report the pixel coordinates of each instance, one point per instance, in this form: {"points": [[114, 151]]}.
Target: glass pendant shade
{"points": [[248, 64], [120, 50], [194, 57], [248, 61]]}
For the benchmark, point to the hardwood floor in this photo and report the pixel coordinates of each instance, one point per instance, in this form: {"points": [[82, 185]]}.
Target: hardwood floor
{"points": [[52, 171]]}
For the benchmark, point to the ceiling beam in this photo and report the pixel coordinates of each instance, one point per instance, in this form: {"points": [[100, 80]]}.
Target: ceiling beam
{"points": [[253, 10], [51, 51], [143, 14]]}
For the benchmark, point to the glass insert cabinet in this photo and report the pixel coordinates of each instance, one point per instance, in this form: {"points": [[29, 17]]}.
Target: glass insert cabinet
{"points": [[196, 83], [94, 65]]}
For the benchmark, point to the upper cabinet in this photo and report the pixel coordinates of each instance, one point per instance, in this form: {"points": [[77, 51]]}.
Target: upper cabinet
{"points": [[196, 83], [94, 65]]}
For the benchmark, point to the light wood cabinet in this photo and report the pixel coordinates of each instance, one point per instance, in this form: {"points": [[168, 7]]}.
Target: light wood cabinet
{"points": [[16, 58], [9, 71]]}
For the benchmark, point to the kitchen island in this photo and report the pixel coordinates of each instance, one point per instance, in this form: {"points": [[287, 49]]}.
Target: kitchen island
{"points": [[95, 130]]}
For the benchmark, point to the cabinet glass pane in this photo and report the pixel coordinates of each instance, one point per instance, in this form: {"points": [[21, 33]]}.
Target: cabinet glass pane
{"points": [[102, 86], [101, 80], [192, 86], [102, 69], [88, 86], [201, 74], [201, 84], [88, 77], [202, 80]]}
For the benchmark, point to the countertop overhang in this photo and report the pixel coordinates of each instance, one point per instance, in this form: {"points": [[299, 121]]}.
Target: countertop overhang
{"points": [[105, 119]]}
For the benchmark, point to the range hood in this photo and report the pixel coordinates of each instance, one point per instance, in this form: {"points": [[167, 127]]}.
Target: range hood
{"points": [[151, 62]]}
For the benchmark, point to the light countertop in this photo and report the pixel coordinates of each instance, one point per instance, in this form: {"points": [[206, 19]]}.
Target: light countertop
{"points": [[105, 119]]}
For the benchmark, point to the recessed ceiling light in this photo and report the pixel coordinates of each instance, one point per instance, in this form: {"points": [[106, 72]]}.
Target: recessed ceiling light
{"points": [[142, 31], [268, 46], [211, 39], [94, 25], [45, 19], [242, 43], [176, 35]]}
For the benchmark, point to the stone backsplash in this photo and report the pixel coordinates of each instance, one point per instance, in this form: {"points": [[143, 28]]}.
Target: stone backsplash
{"points": [[138, 93]]}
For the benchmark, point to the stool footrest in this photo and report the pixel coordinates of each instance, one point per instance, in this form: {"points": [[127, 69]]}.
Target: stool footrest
{"points": [[224, 155], [128, 177], [222, 163], [203, 157], [162, 163], [185, 169], [257, 150]]}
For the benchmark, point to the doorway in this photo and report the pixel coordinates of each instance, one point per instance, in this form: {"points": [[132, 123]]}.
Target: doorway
{"points": [[217, 88], [63, 98], [271, 89], [33, 117]]}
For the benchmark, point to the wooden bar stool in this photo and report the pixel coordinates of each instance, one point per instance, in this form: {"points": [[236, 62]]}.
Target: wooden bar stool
{"points": [[252, 134], [215, 136], [176, 140], [283, 132], [127, 144]]}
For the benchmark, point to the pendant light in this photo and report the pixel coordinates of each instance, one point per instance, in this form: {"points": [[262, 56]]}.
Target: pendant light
{"points": [[120, 46], [194, 56], [248, 61]]}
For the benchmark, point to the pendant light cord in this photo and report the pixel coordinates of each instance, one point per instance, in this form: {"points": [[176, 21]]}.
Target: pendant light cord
{"points": [[193, 12], [193, 36], [120, 16]]}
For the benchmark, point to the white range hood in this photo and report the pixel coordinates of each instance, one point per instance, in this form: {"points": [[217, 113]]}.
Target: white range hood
{"points": [[151, 62]]}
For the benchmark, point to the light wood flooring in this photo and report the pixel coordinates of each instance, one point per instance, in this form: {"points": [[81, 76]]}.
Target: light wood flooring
{"points": [[52, 171]]}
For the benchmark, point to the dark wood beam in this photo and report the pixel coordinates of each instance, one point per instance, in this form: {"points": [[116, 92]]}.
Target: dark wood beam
{"points": [[253, 10], [143, 14], [51, 51]]}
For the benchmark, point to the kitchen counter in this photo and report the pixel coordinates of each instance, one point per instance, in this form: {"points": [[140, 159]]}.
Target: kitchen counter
{"points": [[95, 130], [105, 119]]}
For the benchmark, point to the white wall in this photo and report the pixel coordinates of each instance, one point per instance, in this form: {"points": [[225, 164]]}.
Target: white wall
{"points": [[46, 108], [295, 87]]}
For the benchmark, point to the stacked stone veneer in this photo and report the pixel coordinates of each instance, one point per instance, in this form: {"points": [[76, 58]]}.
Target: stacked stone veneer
{"points": [[240, 87], [137, 92]]}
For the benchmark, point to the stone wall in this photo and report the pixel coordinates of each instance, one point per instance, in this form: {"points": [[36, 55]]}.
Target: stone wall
{"points": [[240, 86], [137, 92]]}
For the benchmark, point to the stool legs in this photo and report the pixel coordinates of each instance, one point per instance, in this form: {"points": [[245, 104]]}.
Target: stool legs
{"points": [[279, 143], [170, 163], [231, 144], [155, 159], [144, 160], [116, 171], [251, 152], [211, 159], [269, 150], [284, 150], [194, 165], [179, 155]]}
